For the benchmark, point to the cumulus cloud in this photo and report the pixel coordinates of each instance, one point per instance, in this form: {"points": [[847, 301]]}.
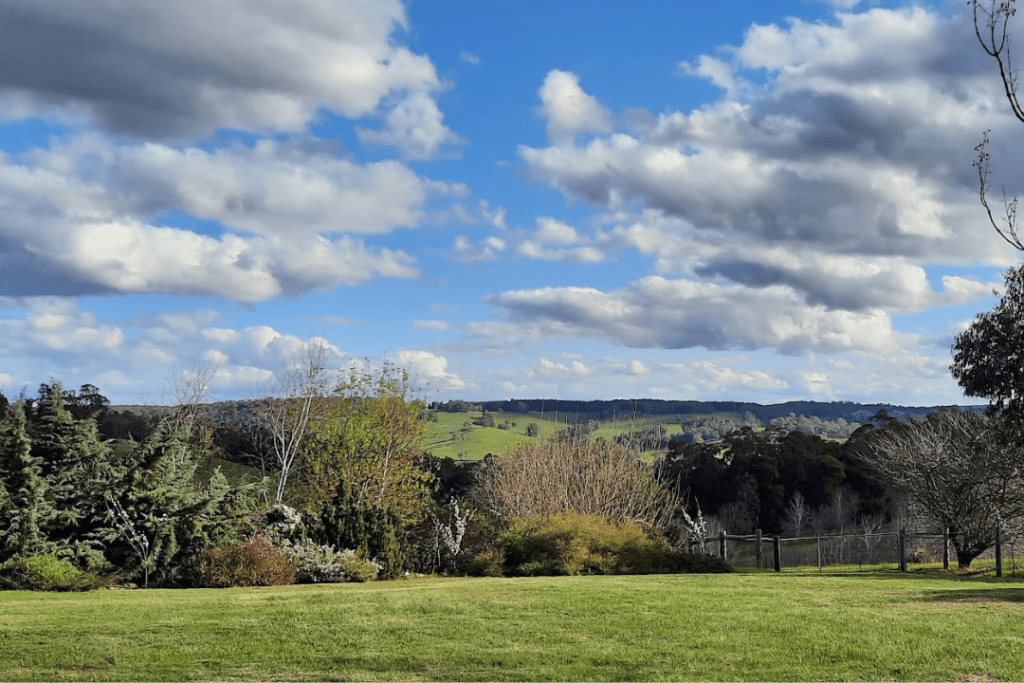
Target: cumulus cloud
{"points": [[800, 210], [85, 217], [637, 368], [660, 313], [133, 358], [554, 240], [469, 58], [568, 109], [428, 368], [415, 126], [184, 69], [487, 250], [435, 325], [548, 367], [700, 376], [859, 142]]}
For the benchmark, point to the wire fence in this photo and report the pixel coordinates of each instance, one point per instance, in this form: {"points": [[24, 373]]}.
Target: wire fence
{"points": [[892, 550]]}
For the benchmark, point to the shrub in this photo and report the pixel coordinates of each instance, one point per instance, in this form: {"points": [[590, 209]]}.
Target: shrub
{"points": [[47, 573], [571, 544], [323, 564], [573, 475], [253, 562], [348, 521], [489, 562]]}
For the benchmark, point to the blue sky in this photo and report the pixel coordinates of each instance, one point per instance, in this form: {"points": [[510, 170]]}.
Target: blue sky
{"points": [[760, 201]]}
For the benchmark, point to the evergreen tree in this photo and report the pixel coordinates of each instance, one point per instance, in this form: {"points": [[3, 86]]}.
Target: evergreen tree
{"points": [[349, 522], [157, 519], [72, 459], [24, 509]]}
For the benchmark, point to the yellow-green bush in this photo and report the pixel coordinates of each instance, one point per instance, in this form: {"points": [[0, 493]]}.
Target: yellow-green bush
{"points": [[572, 543], [47, 573], [253, 562]]}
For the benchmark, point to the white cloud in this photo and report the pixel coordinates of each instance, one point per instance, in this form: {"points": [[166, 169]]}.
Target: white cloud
{"points": [[551, 231], [851, 147], [186, 68], [136, 359], [816, 383], [437, 325], [415, 126], [428, 369], [487, 250], [702, 376], [658, 313], [799, 212], [469, 57], [88, 213], [568, 109], [548, 367]]}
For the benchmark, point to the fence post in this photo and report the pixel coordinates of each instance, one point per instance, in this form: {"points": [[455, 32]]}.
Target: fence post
{"points": [[945, 548], [999, 553], [721, 544], [778, 553], [819, 553], [903, 549], [757, 548]]}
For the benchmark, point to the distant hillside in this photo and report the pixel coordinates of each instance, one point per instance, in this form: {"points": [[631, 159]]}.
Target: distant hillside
{"points": [[619, 409]]}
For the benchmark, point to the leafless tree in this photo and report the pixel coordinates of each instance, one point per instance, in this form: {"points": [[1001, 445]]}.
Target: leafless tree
{"points": [[190, 389], [842, 508], [955, 466], [992, 27], [299, 398], [871, 526], [587, 477], [796, 516]]}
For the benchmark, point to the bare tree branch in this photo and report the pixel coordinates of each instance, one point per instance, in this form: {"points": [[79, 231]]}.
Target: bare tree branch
{"points": [[991, 26], [300, 397]]}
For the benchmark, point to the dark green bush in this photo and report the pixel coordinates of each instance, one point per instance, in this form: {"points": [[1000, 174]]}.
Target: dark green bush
{"points": [[572, 544], [488, 562], [47, 573], [253, 562], [375, 533]]}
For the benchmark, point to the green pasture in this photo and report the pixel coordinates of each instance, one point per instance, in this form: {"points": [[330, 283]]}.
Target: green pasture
{"points": [[483, 440], [745, 627]]}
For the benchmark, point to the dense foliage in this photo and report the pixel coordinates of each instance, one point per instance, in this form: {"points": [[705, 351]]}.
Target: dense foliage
{"points": [[749, 477], [987, 355], [571, 544], [365, 501]]}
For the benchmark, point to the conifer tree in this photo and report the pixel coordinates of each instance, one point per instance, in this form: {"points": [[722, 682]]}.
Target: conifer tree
{"points": [[24, 509]]}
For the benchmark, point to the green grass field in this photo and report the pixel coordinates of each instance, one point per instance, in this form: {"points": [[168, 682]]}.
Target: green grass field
{"points": [[744, 627], [483, 440]]}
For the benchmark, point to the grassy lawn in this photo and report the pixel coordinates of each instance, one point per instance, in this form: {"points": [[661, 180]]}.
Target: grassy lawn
{"points": [[747, 626]]}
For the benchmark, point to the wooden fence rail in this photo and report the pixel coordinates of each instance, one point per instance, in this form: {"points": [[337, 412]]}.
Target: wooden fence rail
{"points": [[900, 536]]}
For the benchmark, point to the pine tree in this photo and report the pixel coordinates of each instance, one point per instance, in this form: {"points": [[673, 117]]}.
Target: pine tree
{"points": [[349, 523], [24, 509], [72, 458], [157, 519]]}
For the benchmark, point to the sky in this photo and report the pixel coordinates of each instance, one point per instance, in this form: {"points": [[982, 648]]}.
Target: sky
{"points": [[581, 199]]}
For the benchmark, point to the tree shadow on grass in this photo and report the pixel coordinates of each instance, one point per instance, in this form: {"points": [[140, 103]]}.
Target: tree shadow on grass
{"points": [[1014, 595]]}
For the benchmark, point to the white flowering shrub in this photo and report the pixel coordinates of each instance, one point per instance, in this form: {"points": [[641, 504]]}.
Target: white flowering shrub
{"points": [[314, 563], [323, 564], [279, 522]]}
